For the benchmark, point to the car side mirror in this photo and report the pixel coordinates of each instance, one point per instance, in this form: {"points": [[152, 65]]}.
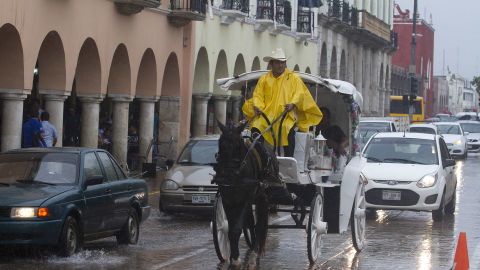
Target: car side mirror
{"points": [[449, 163], [94, 180]]}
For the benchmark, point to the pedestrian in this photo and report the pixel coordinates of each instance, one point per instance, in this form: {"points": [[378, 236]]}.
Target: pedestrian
{"points": [[278, 90], [50, 132], [32, 129]]}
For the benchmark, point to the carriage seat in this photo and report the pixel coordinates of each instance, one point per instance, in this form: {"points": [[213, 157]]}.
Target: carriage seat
{"points": [[303, 143]]}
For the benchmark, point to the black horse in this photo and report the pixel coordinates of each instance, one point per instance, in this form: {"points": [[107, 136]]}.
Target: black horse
{"points": [[244, 170]]}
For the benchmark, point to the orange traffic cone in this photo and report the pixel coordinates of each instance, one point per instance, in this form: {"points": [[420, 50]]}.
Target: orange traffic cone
{"points": [[460, 262]]}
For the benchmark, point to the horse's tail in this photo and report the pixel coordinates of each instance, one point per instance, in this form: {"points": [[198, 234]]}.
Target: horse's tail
{"points": [[261, 227]]}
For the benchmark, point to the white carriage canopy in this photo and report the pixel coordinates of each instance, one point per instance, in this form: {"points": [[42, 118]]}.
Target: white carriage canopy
{"points": [[340, 97]]}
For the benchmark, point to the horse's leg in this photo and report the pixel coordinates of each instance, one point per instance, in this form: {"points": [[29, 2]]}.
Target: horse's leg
{"points": [[261, 227], [235, 216]]}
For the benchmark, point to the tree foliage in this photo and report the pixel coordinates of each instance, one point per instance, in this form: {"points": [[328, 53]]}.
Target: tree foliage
{"points": [[476, 83]]}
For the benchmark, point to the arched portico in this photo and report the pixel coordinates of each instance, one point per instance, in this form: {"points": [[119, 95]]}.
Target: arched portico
{"points": [[333, 64]]}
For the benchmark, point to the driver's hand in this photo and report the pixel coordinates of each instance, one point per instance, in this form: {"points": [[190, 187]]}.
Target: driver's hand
{"points": [[289, 107]]}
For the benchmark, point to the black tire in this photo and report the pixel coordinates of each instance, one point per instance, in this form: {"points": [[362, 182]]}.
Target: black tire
{"points": [[220, 230], [70, 239], [450, 207], [314, 228], [162, 209], [438, 215], [130, 231]]}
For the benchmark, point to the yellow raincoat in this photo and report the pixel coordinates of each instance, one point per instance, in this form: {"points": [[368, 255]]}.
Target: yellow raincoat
{"points": [[272, 94], [247, 109]]}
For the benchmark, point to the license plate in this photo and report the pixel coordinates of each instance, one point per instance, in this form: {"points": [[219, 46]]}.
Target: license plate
{"points": [[200, 199], [391, 195]]}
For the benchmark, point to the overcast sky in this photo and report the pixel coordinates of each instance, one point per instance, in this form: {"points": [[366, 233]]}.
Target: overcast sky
{"points": [[457, 33]]}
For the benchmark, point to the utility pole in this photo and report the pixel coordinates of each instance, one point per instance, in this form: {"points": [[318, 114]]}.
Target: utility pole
{"points": [[412, 68]]}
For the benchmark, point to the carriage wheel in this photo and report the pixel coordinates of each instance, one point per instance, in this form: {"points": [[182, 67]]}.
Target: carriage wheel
{"points": [[316, 227], [220, 230], [357, 222]]}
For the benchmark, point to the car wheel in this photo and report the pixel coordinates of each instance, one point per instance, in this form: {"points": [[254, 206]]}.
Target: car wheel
{"points": [[70, 241], [162, 209], [128, 235], [450, 207], [438, 214]]}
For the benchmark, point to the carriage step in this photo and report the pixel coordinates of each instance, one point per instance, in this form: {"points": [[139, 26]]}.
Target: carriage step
{"points": [[276, 226]]}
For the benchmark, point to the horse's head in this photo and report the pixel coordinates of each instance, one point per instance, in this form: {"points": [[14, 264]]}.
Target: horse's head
{"points": [[231, 147]]}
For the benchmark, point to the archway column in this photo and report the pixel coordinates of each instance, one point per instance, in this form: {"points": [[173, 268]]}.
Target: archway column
{"points": [[121, 104], [54, 105], [90, 120], [200, 114], [169, 126], [220, 110], [12, 113], [236, 108], [147, 112]]}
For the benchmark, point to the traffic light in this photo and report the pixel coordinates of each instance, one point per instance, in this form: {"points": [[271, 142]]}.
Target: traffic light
{"points": [[413, 86]]}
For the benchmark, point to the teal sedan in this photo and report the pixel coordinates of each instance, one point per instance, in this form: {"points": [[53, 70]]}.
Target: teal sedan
{"points": [[62, 197]]}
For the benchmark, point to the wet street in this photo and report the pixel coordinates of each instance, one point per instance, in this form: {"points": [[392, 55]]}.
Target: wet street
{"points": [[395, 240]]}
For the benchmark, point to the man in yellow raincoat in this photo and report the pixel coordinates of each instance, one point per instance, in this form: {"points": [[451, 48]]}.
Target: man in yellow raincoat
{"points": [[278, 90]]}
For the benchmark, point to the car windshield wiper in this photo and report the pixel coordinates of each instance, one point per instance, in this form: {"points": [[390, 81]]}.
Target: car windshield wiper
{"points": [[190, 163], [374, 159], [403, 160], [28, 181]]}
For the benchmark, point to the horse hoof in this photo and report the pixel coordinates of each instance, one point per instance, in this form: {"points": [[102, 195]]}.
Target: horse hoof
{"points": [[235, 263], [252, 260]]}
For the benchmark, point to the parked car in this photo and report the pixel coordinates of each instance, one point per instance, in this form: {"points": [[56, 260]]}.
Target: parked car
{"points": [[443, 117], [62, 197], [472, 131], [366, 128], [187, 186], [423, 128], [467, 116], [453, 135], [410, 171]]}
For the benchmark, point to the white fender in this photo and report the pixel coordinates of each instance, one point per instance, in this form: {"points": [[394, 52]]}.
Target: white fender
{"points": [[348, 188]]}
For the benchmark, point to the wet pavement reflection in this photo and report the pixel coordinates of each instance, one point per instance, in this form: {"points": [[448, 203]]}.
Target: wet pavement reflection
{"points": [[395, 240]]}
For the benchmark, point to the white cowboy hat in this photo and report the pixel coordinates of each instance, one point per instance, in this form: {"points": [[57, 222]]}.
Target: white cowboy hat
{"points": [[278, 54]]}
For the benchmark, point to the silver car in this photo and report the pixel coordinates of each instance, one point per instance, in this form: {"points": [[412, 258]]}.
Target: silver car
{"points": [[472, 131], [187, 186]]}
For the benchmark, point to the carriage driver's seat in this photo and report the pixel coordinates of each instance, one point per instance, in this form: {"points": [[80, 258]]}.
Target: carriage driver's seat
{"points": [[292, 170]]}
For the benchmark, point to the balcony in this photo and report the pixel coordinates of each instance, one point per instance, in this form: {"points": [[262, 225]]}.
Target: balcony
{"points": [[374, 25], [129, 7], [304, 24], [283, 18], [264, 18], [185, 11], [233, 9], [338, 16]]}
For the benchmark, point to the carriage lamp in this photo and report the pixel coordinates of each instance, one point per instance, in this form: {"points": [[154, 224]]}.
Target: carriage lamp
{"points": [[321, 159]]}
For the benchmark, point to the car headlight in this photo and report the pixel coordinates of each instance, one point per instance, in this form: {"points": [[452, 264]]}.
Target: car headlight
{"points": [[29, 212], [363, 179], [458, 142], [427, 181], [169, 185]]}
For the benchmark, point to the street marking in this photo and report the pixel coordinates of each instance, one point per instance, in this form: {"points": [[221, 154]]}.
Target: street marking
{"points": [[153, 193], [178, 259], [280, 219]]}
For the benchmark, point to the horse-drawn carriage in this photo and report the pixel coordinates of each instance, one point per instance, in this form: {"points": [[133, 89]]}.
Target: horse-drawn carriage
{"points": [[326, 190]]}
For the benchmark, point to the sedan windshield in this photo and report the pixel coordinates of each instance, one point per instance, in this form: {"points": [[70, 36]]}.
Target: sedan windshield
{"points": [[426, 130], [449, 129], [199, 152], [401, 150], [471, 127], [38, 168]]}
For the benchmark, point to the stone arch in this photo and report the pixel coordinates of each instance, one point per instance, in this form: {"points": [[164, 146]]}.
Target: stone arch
{"points": [[88, 72], [119, 81], [201, 76], [147, 75], [11, 58], [239, 65], [171, 77], [296, 68], [221, 71], [343, 66], [51, 63], [307, 70], [256, 63], [333, 64], [323, 61]]}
